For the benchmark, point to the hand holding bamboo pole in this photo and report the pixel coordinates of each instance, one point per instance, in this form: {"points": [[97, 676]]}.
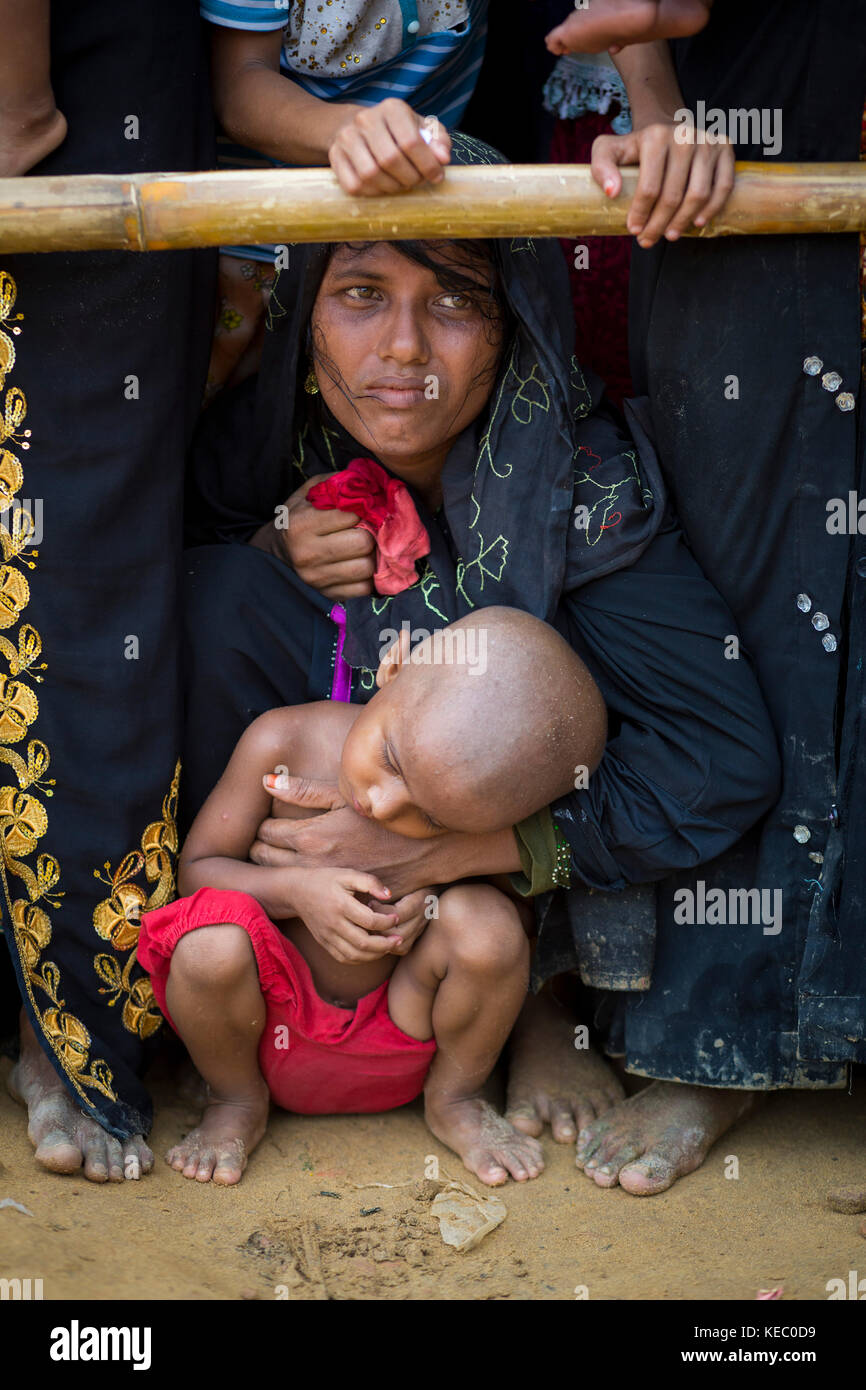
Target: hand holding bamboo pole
{"points": [[158, 212]]}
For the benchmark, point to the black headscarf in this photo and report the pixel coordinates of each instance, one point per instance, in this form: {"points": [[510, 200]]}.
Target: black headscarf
{"points": [[540, 494]]}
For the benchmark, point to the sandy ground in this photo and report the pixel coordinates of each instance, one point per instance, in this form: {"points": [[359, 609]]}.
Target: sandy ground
{"points": [[708, 1237]]}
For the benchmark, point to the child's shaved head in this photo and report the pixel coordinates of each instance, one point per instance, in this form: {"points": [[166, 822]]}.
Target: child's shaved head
{"points": [[485, 722]]}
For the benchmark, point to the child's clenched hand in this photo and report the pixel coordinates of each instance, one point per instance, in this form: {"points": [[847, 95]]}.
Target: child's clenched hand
{"points": [[381, 149], [412, 917], [326, 900]]}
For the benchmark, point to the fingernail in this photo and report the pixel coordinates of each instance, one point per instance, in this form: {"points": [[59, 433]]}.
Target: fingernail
{"points": [[672, 235], [609, 187], [271, 779]]}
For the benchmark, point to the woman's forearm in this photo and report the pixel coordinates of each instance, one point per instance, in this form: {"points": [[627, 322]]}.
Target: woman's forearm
{"points": [[650, 81], [269, 112], [451, 857], [341, 837]]}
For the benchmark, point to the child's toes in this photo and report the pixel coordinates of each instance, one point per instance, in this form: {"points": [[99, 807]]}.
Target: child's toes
{"points": [[491, 1171], [189, 1167], [229, 1166], [203, 1166], [516, 1169], [532, 1160], [523, 1158]]}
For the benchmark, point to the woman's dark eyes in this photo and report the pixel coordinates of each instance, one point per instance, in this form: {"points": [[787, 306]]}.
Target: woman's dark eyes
{"points": [[465, 301], [366, 294]]}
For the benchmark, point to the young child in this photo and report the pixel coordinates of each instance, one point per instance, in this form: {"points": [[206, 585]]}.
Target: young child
{"points": [[285, 983]]}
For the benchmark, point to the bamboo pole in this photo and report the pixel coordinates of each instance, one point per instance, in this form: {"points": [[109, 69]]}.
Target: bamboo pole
{"points": [[157, 212]]}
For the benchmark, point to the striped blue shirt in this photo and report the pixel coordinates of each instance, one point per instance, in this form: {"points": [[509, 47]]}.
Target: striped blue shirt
{"points": [[433, 72]]}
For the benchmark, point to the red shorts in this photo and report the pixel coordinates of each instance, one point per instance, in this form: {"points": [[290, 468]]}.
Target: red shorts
{"points": [[316, 1058]]}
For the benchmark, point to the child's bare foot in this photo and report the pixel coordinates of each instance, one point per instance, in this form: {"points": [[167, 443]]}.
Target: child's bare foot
{"points": [[218, 1149], [28, 139], [65, 1139], [659, 1135], [489, 1146], [550, 1081], [191, 1086]]}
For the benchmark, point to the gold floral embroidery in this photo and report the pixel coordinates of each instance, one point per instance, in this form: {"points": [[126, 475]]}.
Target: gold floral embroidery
{"points": [[11, 472], [8, 294], [22, 658], [18, 709], [33, 930], [117, 918], [23, 818], [14, 595], [140, 1013]]}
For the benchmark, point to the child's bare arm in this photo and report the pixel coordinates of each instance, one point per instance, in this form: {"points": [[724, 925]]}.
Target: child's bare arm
{"points": [[372, 149], [30, 124], [217, 847], [678, 183], [215, 854]]}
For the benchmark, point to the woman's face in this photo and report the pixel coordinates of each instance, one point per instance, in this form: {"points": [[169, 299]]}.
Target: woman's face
{"points": [[402, 363]]}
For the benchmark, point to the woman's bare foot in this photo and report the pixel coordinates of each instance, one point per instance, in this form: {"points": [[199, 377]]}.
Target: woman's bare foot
{"points": [[218, 1149], [489, 1146], [65, 1139], [659, 1135], [550, 1081]]}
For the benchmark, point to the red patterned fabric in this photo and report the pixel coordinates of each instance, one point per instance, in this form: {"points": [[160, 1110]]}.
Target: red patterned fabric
{"points": [[385, 509]]}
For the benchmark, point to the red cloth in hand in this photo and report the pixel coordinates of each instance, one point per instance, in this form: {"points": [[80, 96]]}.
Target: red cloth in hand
{"points": [[386, 510]]}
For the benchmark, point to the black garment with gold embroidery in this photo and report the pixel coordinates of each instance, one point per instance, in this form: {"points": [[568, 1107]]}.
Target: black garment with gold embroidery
{"points": [[102, 363]]}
